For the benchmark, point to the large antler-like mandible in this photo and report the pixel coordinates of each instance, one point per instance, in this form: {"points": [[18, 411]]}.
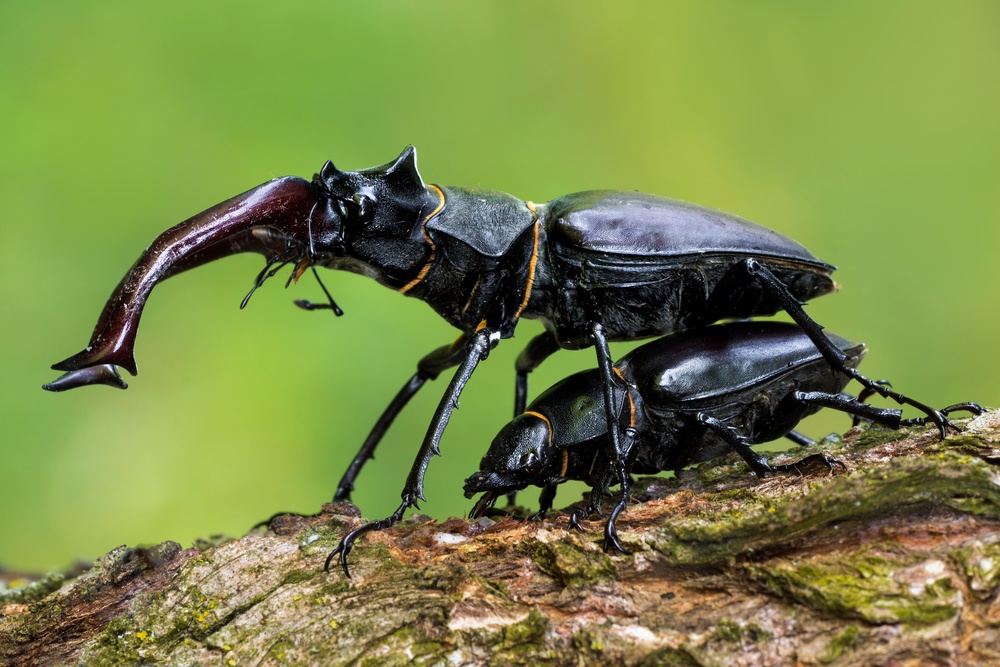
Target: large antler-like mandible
{"points": [[272, 219]]}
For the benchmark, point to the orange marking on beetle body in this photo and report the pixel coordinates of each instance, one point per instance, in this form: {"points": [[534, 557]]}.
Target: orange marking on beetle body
{"points": [[430, 260], [628, 393], [543, 418], [531, 265], [300, 269]]}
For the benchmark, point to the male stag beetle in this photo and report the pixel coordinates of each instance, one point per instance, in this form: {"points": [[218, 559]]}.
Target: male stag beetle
{"points": [[592, 266], [684, 399]]}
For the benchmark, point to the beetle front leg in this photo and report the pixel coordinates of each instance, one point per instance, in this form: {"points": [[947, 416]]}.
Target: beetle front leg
{"points": [[545, 500], [477, 349], [428, 368]]}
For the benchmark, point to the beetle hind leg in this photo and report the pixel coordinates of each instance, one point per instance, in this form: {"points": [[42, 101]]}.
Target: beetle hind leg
{"points": [[973, 408], [734, 283], [890, 417], [757, 461]]}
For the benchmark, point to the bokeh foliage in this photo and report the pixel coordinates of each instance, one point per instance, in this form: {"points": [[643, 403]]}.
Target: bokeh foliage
{"points": [[868, 132]]}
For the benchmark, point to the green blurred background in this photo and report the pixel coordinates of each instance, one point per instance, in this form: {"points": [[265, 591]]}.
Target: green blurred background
{"points": [[869, 132]]}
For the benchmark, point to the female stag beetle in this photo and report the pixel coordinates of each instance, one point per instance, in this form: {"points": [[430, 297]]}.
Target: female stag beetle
{"points": [[683, 399], [592, 266]]}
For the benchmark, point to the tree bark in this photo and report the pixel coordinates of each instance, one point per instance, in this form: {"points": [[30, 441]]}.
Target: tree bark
{"points": [[894, 561]]}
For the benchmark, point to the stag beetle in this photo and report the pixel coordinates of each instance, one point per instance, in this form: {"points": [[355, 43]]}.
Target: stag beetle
{"points": [[684, 399], [592, 267]]}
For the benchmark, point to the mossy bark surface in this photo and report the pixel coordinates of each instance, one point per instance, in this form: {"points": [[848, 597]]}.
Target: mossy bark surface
{"points": [[895, 560]]}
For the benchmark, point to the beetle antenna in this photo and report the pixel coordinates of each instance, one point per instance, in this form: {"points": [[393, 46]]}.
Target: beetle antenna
{"points": [[333, 304], [265, 273], [309, 232], [303, 303]]}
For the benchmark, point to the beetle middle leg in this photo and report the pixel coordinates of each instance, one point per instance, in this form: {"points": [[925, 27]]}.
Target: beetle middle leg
{"points": [[538, 349], [620, 445]]}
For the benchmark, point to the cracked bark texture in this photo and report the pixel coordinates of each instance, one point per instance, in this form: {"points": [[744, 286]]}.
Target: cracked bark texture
{"points": [[895, 561]]}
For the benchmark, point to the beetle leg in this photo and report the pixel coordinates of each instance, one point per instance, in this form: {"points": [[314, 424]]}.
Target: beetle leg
{"points": [[576, 515], [620, 445], [617, 454], [973, 408], [798, 466], [758, 462], [347, 543], [475, 351], [830, 352], [800, 439], [738, 443], [846, 403], [538, 349], [864, 395], [367, 451], [610, 531], [593, 506], [428, 368], [545, 500]]}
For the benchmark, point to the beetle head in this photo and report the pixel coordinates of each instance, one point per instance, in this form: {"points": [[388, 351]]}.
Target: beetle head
{"points": [[363, 221], [521, 454], [372, 219]]}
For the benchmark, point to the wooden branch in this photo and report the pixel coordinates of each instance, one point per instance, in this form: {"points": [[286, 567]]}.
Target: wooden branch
{"points": [[895, 561]]}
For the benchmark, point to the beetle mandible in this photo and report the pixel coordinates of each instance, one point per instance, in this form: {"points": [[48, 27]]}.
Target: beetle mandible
{"points": [[593, 267], [685, 398]]}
